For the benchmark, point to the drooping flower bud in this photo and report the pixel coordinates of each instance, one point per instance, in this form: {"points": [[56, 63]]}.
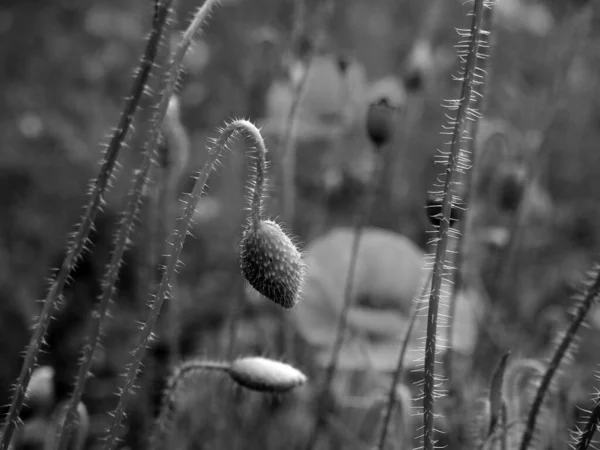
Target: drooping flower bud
{"points": [[271, 263]]}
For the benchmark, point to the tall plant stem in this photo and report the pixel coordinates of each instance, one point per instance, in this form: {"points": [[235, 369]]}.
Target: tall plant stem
{"points": [[398, 372], [465, 226], [112, 271], [458, 159], [77, 245]]}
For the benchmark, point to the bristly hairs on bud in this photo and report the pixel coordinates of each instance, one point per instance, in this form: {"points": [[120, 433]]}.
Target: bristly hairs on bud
{"points": [[177, 241], [269, 258], [456, 161], [78, 242]]}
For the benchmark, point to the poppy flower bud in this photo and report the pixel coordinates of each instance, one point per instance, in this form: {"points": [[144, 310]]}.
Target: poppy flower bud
{"points": [[271, 263], [265, 375]]}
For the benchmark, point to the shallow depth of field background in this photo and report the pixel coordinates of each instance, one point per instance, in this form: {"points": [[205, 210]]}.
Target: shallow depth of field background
{"points": [[66, 68]]}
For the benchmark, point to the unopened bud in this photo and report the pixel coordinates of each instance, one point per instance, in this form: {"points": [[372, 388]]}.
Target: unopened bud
{"points": [[265, 375], [271, 263]]}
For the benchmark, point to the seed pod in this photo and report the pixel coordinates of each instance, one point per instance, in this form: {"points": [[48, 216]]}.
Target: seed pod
{"points": [[380, 122], [265, 375], [271, 263]]}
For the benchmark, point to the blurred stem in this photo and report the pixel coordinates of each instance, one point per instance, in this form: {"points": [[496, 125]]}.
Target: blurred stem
{"points": [[507, 261], [362, 216], [288, 146]]}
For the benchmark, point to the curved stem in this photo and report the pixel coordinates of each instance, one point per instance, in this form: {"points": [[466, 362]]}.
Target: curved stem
{"points": [[180, 374], [457, 159], [176, 246], [77, 245], [590, 295], [258, 191]]}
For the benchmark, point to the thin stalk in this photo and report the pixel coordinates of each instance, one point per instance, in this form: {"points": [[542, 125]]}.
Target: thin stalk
{"points": [[180, 374], [123, 236], [289, 141], [361, 218], [465, 226], [141, 176], [507, 261], [78, 242], [589, 296], [398, 372], [176, 246], [458, 159]]}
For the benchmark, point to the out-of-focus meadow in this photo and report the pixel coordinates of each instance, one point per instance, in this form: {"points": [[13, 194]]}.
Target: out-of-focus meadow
{"points": [[66, 69]]}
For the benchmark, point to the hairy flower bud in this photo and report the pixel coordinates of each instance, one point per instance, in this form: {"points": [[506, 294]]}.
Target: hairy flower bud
{"points": [[271, 263]]}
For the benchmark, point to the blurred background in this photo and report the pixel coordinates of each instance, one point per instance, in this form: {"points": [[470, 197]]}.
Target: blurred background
{"points": [[67, 67]]}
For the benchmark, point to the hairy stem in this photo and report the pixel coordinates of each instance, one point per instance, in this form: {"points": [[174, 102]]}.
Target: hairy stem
{"points": [[176, 246], [457, 160], [180, 374], [398, 372], [464, 226], [585, 439], [77, 245], [108, 284], [139, 186], [589, 296]]}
